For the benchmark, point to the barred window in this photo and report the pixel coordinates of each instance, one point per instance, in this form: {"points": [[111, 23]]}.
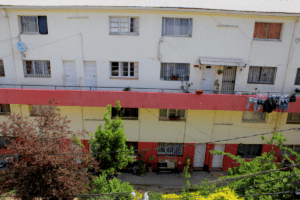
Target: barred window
{"points": [[297, 80], [170, 149], [124, 69], [126, 113], [269, 31], [2, 72], [34, 24], [4, 109], [295, 148], [249, 150], [37, 68], [124, 25], [177, 26], [293, 118], [254, 117], [169, 114], [175, 71], [262, 75], [134, 145]]}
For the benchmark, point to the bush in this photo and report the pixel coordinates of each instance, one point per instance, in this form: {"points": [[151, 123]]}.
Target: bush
{"points": [[104, 186]]}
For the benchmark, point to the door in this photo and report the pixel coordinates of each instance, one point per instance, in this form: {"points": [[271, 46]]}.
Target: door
{"points": [[228, 81], [199, 155], [208, 78], [218, 159], [90, 74], [70, 74]]}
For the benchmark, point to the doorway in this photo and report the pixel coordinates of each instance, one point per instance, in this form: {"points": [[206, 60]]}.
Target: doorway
{"points": [[208, 78], [228, 81], [70, 74], [199, 156], [217, 161]]}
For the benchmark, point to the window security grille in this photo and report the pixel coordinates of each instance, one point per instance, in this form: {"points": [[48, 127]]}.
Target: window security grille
{"points": [[124, 25], [177, 27], [255, 117], [262, 75], [37, 68], [2, 72], [170, 149], [249, 150], [295, 148], [175, 71], [166, 113], [293, 118], [126, 113], [124, 69], [34, 24]]}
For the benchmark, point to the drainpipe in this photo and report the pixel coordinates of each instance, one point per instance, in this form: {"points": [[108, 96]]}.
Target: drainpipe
{"points": [[290, 54]]}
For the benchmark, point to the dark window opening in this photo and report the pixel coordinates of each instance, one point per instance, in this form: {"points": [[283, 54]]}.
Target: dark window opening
{"points": [[126, 113], [4, 109], [249, 150], [134, 145]]}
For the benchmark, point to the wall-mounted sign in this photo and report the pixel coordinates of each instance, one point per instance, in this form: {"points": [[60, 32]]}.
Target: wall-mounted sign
{"points": [[21, 46]]}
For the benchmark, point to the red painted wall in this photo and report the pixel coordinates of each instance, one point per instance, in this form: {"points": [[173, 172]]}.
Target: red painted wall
{"points": [[228, 162], [208, 155], [131, 99], [86, 145], [149, 145]]}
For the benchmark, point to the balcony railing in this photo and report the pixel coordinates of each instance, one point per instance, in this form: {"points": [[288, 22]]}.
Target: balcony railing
{"points": [[135, 89]]}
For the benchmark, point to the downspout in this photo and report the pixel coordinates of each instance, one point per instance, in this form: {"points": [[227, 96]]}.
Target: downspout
{"points": [[290, 54]]}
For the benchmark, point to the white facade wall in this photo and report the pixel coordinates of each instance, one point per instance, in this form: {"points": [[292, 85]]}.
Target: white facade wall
{"points": [[89, 40]]}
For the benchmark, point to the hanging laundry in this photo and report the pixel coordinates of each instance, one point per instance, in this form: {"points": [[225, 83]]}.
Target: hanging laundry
{"points": [[269, 105], [257, 103]]}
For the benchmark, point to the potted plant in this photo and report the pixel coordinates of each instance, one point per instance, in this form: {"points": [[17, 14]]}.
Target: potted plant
{"points": [[141, 163], [217, 86], [174, 117], [220, 71], [149, 165], [174, 77], [199, 91], [127, 89]]}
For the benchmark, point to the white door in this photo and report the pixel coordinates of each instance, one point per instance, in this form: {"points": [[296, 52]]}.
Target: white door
{"points": [[70, 73], [218, 159], [199, 155], [208, 78], [90, 74]]}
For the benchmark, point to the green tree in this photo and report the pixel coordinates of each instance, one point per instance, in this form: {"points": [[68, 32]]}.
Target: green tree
{"points": [[111, 141], [272, 182]]}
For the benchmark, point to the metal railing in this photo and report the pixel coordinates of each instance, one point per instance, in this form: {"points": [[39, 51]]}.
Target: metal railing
{"points": [[135, 89]]}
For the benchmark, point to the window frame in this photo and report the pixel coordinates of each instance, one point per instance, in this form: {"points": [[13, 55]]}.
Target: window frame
{"points": [[260, 148], [253, 120], [167, 118], [34, 75], [292, 121], [119, 27], [190, 30], [126, 118], [297, 79], [134, 145], [266, 39], [169, 75], [173, 154], [2, 66], [286, 152], [37, 24], [5, 113], [120, 70], [260, 72]]}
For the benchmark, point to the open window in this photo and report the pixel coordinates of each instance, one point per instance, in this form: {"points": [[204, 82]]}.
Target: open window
{"points": [[249, 150], [171, 114], [34, 25], [134, 145], [125, 113], [124, 25], [2, 71], [4, 109]]}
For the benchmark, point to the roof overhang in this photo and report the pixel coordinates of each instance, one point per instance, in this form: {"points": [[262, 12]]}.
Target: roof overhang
{"points": [[222, 61]]}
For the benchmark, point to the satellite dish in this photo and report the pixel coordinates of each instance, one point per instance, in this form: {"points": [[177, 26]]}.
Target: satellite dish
{"points": [[21, 46]]}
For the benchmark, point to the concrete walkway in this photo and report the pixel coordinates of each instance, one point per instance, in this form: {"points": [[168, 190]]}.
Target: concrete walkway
{"points": [[166, 179]]}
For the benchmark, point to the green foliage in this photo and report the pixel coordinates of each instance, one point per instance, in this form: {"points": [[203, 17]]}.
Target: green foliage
{"points": [[187, 175], [243, 186], [113, 186], [141, 162], [111, 139]]}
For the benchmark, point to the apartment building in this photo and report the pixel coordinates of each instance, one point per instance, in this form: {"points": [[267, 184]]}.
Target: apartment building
{"points": [[86, 56]]}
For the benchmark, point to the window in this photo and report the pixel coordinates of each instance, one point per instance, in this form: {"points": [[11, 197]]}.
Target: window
{"points": [[124, 69], [2, 72], [37, 68], [295, 148], [249, 150], [269, 31], [170, 149], [134, 145], [297, 80], [4, 109], [37, 110], [293, 118], [255, 117], [34, 24], [177, 26], [126, 113], [171, 114], [2, 143], [175, 71], [262, 75], [124, 25]]}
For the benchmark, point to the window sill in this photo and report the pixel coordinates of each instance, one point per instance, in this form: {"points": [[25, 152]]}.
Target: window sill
{"points": [[127, 118], [28, 76], [268, 40], [179, 120], [128, 34], [166, 155], [260, 83], [3, 113], [292, 122], [173, 80], [121, 78], [33, 34], [186, 36], [257, 122]]}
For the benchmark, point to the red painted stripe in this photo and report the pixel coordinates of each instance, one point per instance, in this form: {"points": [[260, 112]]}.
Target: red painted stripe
{"points": [[131, 99]]}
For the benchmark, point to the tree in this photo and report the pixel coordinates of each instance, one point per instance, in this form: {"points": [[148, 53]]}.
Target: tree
{"points": [[111, 142], [35, 170], [273, 182]]}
